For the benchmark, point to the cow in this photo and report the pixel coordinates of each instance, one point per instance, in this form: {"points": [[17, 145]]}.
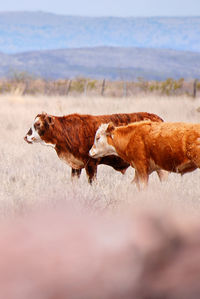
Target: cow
{"points": [[72, 137], [148, 146]]}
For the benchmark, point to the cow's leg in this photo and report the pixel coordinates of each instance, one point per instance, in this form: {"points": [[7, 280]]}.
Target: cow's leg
{"points": [[162, 174], [91, 170], [135, 180], [141, 174], [116, 162], [140, 162], [188, 168], [75, 173], [194, 156], [143, 177]]}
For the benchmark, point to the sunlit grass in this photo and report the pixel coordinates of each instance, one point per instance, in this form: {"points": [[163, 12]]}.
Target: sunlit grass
{"points": [[32, 174]]}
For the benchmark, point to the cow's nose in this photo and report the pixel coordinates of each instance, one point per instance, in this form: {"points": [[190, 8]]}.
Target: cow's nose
{"points": [[26, 139], [91, 152]]}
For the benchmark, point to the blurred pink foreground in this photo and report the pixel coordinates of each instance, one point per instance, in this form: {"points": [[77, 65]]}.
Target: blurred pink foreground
{"points": [[54, 255]]}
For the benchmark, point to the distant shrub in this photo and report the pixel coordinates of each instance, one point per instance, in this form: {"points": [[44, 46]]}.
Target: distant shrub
{"points": [[154, 86], [92, 84], [20, 76], [198, 85], [170, 86], [78, 85], [143, 84]]}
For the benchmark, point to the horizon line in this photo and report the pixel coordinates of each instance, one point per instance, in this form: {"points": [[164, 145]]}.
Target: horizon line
{"points": [[99, 16]]}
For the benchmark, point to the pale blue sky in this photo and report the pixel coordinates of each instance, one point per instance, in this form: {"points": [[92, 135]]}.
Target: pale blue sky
{"points": [[122, 8]]}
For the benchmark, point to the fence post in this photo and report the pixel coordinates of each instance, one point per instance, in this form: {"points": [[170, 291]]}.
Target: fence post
{"points": [[195, 88], [125, 89], [68, 87], [103, 87], [85, 88]]}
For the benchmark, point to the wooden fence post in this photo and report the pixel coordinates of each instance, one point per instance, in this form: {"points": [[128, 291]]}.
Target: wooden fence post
{"points": [[125, 89], [68, 87], [195, 88], [103, 87], [85, 88]]}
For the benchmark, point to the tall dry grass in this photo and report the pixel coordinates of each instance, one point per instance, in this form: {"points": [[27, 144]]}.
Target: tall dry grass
{"points": [[32, 174], [54, 240]]}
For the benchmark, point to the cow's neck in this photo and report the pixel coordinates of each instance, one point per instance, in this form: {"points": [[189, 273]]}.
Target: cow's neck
{"points": [[62, 136], [119, 142]]}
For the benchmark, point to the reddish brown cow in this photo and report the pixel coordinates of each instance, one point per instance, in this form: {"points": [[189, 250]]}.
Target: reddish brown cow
{"points": [[150, 146], [72, 137]]}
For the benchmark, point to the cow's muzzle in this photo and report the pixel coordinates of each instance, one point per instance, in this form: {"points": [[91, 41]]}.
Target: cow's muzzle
{"points": [[93, 154], [25, 138]]}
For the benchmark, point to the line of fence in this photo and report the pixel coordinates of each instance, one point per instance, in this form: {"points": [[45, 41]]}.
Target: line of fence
{"points": [[103, 87]]}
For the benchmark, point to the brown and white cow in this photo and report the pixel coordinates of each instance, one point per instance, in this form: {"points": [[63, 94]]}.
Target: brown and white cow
{"points": [[72, 137], [149, 146]]}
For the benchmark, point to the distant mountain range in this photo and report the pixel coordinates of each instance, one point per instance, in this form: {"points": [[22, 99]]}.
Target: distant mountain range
{"points": [[55, 46], [104, 62], [28, 31]]}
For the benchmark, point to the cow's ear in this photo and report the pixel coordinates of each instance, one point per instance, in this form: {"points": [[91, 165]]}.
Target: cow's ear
{"points": [[49, 119], [110, 129]]}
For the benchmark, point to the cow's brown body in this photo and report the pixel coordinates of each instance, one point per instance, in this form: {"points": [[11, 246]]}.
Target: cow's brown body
{"points": [[72, 137], [148, 146]]}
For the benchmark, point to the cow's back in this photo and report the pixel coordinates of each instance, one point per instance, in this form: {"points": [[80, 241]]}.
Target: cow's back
{"points": [[85, 126]]}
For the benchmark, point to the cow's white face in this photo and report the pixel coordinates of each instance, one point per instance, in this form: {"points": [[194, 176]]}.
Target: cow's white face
{"points": [[36, 133], [32, 136], [101, 147]]}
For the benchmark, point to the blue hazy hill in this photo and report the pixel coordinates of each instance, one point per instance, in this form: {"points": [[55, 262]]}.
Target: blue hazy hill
{"points": [[27, 31], [103, 62]]}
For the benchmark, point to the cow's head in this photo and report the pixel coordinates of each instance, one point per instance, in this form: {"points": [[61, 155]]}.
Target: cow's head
{"points": [[103, 142], [40, 131]]}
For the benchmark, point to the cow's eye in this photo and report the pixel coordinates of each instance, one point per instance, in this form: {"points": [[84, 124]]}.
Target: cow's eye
{"points": [[98, 138], [37, 126]]}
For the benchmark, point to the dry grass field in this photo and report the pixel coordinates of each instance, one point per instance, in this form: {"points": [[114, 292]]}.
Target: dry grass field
{"points": [[31, 174], [150, 251]]}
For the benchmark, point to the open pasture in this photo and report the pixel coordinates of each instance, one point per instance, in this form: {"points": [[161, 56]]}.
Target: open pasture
{"points": [[33, 174], [64, 239]]}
